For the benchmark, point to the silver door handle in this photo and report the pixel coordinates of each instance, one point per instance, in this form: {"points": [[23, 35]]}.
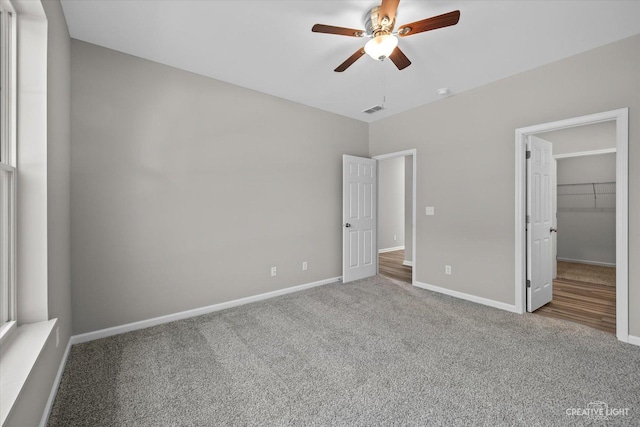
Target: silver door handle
{"points": [[551, 230], [347, 225]]}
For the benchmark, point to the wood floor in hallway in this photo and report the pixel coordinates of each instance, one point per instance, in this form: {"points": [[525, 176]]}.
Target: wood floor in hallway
{"points": [[390, 265]]}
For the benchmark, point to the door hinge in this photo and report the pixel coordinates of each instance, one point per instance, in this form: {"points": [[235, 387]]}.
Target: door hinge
{"points": [[528, 219], [528, 154], [528, 283]]}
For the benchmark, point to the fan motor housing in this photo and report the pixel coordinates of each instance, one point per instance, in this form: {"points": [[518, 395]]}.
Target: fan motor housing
{"points": [[375, 26]]}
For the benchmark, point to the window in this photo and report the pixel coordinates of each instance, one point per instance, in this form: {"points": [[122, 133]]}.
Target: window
{"points": [[7, 169]]}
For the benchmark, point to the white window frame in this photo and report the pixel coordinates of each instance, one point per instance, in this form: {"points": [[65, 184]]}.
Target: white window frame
{"points": [[8, 167]]}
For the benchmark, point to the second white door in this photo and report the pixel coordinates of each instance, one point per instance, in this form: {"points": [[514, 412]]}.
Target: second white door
{"points": [[359, 178]]}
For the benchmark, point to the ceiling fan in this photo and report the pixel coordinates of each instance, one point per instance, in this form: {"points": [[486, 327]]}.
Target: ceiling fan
{"points": [[379, 25]]}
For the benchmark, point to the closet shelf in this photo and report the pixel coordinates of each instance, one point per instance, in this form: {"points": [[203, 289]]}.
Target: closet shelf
{"points": [[587, 197]]}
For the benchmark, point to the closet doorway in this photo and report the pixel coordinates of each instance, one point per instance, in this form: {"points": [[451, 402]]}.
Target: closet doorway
{"points": [[526, 272]]}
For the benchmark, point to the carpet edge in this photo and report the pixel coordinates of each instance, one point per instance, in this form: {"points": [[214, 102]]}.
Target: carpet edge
{"points": [[154, 321]]}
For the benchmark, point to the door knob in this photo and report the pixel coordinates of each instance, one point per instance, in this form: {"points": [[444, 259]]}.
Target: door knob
{"points": [[347, 225], [551, 230]]}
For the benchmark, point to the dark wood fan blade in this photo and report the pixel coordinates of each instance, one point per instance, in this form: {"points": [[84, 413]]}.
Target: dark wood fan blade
{"points": [[399, 58], [340, 31], [388, 8], [429, 24], [350, 60]]}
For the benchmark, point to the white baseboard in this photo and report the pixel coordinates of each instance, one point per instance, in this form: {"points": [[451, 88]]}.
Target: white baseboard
{"points": [[582, 261], [54, 389], [121, 329], [634, 340], [397, 248], [408, 263], [484, 301]]}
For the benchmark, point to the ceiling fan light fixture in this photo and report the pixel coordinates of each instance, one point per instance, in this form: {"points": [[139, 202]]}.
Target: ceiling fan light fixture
{"points": [[379, 24], [380, 47]]}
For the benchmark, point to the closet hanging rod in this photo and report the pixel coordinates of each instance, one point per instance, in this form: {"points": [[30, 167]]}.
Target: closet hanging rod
{"points": [[589, 183]]}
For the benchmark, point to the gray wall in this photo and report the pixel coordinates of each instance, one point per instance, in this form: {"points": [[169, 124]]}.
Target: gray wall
{"points": [[186, 190], [588, 236], [408, 208], [590, 137], [29, 407], [391, 202], [596, 168], [59, 168], [465, 168]]}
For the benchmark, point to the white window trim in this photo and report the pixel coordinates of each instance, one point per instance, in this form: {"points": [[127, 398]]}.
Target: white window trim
{"points": [[8, 111], [31, 163], [20, 351]]}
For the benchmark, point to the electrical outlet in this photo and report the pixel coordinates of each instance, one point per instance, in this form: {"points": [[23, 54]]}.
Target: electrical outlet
{"points": [[274, 271], [430, 210], [304, 266], [395, 237], [447, 269], [57, 336]]}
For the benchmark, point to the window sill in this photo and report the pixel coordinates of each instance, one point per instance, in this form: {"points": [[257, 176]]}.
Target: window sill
{"points": [[6, 330], [18, 355]]}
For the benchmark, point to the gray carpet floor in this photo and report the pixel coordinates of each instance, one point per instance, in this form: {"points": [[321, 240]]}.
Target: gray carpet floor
{"points": [[371, 352]]}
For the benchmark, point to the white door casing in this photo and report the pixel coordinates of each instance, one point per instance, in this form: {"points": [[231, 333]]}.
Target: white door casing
{"points": [[539, 213], [621, 119], [554, 220], [359, 211]]}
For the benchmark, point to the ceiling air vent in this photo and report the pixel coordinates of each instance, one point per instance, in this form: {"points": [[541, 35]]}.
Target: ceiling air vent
{"points": [[373, 109]]}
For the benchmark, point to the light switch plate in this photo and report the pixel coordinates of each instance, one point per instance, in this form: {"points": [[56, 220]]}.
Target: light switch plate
{"points": [[430, 210]]}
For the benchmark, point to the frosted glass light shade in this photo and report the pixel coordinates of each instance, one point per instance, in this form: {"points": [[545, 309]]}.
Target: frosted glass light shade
{"points": [[380, 47]]}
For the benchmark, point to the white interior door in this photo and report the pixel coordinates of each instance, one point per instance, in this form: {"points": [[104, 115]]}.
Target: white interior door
{"points": [[359, 191], [540, 223]]}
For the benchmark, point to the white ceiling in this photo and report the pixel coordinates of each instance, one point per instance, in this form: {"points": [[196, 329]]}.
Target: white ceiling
{"points": [[268, 46]]}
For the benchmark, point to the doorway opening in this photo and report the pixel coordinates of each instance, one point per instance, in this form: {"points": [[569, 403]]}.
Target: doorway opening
{"points": [[591, 202], [396, 215]]}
